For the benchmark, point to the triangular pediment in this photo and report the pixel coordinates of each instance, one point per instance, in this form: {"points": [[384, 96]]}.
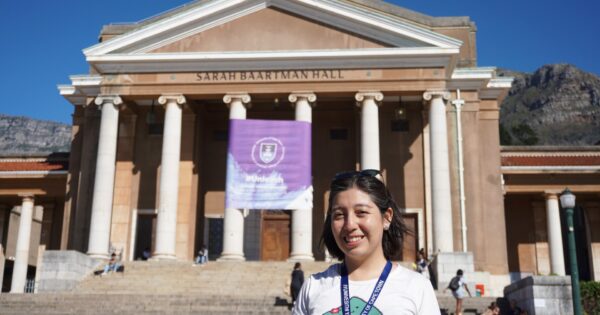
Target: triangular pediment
{"points": [[213, 31], [271, 30]]}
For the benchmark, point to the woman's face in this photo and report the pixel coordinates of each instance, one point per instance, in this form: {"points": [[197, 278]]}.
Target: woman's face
{"points": [[357, 224]]}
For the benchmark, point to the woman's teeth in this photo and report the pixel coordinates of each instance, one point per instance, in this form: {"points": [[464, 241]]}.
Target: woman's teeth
{"points": [[351, 239]]}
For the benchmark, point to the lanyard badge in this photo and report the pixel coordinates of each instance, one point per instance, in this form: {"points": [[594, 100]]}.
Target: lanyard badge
{"points": [[345, 289]]}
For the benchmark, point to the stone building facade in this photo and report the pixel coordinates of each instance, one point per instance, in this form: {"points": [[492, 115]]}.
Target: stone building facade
{"points": [[383, 87]]}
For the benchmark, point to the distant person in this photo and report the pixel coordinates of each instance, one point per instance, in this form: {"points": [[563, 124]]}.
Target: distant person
{"points": [[202, 257], [146, 254], [456, 285], [112, 264], [297, 281], [493, 309], [422, 263]]}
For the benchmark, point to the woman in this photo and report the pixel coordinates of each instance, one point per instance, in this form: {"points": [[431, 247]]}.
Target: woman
{"points": [[363, 228]]}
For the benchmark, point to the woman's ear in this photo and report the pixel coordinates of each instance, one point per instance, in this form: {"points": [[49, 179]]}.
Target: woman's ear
{"points": [[387, 217]]}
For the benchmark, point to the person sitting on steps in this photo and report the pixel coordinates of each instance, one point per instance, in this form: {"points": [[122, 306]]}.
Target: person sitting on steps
{"points": [[202, 257], [113, 264]]}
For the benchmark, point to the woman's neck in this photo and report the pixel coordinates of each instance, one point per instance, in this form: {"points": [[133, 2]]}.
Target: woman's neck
{"points": [[366, 269]]}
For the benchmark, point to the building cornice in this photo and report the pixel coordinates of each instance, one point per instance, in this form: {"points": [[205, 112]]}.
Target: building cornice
{"points": [[549, 169], [22, 174], [287, 60], [482, 79], [82, 86]]}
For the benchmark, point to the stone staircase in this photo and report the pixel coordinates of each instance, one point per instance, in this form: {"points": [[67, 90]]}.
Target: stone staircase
{"points": [[159, 287]]}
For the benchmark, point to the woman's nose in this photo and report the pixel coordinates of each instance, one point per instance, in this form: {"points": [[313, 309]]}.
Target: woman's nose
{"points": [[350, 222]]}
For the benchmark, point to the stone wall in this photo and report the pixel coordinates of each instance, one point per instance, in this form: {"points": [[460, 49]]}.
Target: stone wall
{"points": [[548, 295], [62, 270]]}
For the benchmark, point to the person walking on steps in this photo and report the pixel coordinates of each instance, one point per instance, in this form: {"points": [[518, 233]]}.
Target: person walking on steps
{"points": [[297, 281], [458, 286]]}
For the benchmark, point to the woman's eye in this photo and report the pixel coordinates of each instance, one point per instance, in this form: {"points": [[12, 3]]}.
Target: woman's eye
{"points": [[337, 215], [361, 213]]}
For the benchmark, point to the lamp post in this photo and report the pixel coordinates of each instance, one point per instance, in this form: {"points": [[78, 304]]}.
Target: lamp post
{"points": [[567, 201]]}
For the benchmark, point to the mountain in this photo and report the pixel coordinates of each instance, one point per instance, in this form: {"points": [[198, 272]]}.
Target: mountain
{"points": [[26, 136], [556, 105]]}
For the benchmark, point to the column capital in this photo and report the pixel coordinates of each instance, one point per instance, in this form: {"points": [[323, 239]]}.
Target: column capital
{"points": [[112, 99], [241, 97], [551, 195], [430, 94], [27, 196], [296, 96], [361, 96], [172, 97]]}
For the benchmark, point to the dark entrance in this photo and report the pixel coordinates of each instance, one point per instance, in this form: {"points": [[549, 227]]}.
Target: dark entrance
{"points": [[144, 233]]}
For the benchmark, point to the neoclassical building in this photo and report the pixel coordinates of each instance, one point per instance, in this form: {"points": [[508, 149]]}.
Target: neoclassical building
{"points": [[383, 87]]}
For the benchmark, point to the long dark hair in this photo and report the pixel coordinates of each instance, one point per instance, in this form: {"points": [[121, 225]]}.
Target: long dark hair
{"points": [[381, 197]]}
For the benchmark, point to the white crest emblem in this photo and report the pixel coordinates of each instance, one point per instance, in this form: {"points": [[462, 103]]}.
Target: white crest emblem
{"points": [[268, 151]]}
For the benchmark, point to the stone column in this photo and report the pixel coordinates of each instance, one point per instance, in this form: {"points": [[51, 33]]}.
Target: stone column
{"points": [[302, 218], [369, 136], [166, 220], [441, 201], [19, 275], [233, 229], [105, 176], [555, 243]]}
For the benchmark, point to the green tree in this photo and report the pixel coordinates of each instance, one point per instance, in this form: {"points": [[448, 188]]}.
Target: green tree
{"points": [[525, 134]]}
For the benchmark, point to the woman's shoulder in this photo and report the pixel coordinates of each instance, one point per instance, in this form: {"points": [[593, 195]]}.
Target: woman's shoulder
{"points": [[331, 272], [406, 275]]}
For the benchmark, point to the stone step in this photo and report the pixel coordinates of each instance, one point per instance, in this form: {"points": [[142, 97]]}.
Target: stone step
{"points": [[128, 304], [176, 287], [76, 303]]}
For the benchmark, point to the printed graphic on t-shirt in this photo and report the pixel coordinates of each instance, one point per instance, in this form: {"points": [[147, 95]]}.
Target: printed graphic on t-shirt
{"points": [[356, 306]]}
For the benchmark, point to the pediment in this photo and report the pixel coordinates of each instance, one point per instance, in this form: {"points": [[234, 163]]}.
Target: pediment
{"points": [[271, 30], [210, 34]]}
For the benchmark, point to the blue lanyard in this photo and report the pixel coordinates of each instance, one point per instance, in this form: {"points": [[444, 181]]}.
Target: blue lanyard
{"points": [[345, 289]]}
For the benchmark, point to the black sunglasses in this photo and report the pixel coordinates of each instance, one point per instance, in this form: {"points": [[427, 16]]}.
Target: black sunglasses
{"points": [[351, 174]]}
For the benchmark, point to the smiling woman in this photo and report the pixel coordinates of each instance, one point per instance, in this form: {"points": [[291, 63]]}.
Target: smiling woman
{"points": [[364, 229]]}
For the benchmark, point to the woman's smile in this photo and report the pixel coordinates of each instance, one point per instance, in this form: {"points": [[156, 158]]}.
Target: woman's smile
{"points": [[353, 240]]}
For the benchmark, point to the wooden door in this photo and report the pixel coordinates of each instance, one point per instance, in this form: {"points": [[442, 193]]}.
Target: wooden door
{"points": [[275, 235]]}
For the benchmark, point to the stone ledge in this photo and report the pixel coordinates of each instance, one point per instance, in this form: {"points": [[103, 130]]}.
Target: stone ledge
{"points": [[62, 270], [536, 281]]}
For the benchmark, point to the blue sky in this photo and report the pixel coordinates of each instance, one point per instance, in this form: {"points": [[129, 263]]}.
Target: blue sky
{"points": [[42, 40]]}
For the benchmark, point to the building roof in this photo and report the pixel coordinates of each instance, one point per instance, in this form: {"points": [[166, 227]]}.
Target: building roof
{"points": [[559, 160], [376, 5], [550, 158], [54, 163]]}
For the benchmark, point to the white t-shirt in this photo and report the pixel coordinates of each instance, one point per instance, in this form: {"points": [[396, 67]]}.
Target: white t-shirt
{"points": [[404, 292]]}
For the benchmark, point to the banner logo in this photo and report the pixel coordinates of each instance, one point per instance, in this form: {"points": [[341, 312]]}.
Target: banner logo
{"points": [[270, 152]]}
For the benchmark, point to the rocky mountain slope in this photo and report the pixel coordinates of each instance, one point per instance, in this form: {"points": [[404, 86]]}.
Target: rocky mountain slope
{"points": [[26, 136], [556, 105]]}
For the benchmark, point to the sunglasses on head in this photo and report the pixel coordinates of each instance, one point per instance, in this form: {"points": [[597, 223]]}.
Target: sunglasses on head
{"points": [[363, 173]]}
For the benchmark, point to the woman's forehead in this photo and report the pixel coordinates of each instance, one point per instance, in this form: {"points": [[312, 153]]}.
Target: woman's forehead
{"points": [[351, 197]]}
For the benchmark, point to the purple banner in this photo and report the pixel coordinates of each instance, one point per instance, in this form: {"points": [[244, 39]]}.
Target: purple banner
{"points": [[269, 165]]}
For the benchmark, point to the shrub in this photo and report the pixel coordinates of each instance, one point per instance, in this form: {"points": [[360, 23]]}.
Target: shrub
{"points": [[590, 297]]}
